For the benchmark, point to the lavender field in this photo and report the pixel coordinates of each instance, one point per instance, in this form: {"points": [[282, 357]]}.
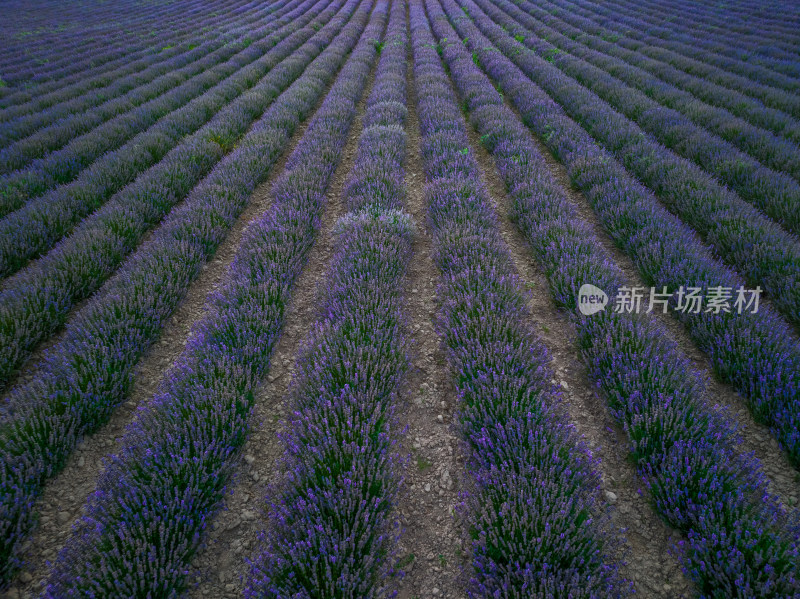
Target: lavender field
{"points": [[349, 299]]}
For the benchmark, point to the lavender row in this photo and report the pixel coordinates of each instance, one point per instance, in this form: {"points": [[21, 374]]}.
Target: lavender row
{"points": [[178, 72], [54, 34], [50, 31], [89, 371], [777, 194], [741, 235], [736, 50], [771, 150], [30, 72], [722, 55], [34, 229], [189, 436], [64, 165], [43, 107], [535, 522], [36, 303], [50, 129], [737, 103], [112, 53], [332, 531], [629, 35], [725, 510], [747, 42], [755, 352]]}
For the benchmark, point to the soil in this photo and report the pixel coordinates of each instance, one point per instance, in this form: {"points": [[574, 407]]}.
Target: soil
{"points": [[221, 568], [649, 563], [65, 496], [431, 550]]}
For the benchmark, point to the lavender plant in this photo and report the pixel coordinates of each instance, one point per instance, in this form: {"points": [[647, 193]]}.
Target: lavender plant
{"points": [[756, 353], [188, 438], [682, 447], [764, 253], [74, 120], [776, 194], [534, 521], [654, 80], [88, 373], [39, 299], [49, 129], [691, 61], [149, 135], [332, 531], [43, 221]]}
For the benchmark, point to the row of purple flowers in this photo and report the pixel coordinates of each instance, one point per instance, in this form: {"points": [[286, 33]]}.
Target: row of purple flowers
{"points": [[768, 148], [40, 223], [32, 136], [146, 519], [733, 37], [36, 302], [332, 528], [741, 235], [631, 32], [739, 538], [55, 62], [149, 129], [534, 520], [89, 371]]}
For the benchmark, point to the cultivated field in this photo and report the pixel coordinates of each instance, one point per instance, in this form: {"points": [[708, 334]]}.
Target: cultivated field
{"points": [[414, 298]]}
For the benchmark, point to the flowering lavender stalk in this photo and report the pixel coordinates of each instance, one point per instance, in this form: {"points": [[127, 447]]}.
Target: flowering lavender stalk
{"points": [[650, 385], [75, 122], [776, 194], [151, 134], [43, 221], [188, 438], [535, 522], [331, 531], [756, 353], [770, 149], [88, 373], [38, 300]]}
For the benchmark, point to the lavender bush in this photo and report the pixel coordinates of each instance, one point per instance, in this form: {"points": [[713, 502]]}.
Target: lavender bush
{"points": [[756, 353], [39, 299], [535, 524], [682, 447], [43, 221], [188, 438], [764, 253], [777, 194], [71, 120], [770, 149], [148, 144], [88, 373], [49, 129], [331, 532]]}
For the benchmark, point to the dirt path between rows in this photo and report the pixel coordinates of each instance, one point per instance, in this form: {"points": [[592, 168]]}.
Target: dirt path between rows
{"points": [[221, 567], [431, 550], [64, 497], [650, 566]]}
